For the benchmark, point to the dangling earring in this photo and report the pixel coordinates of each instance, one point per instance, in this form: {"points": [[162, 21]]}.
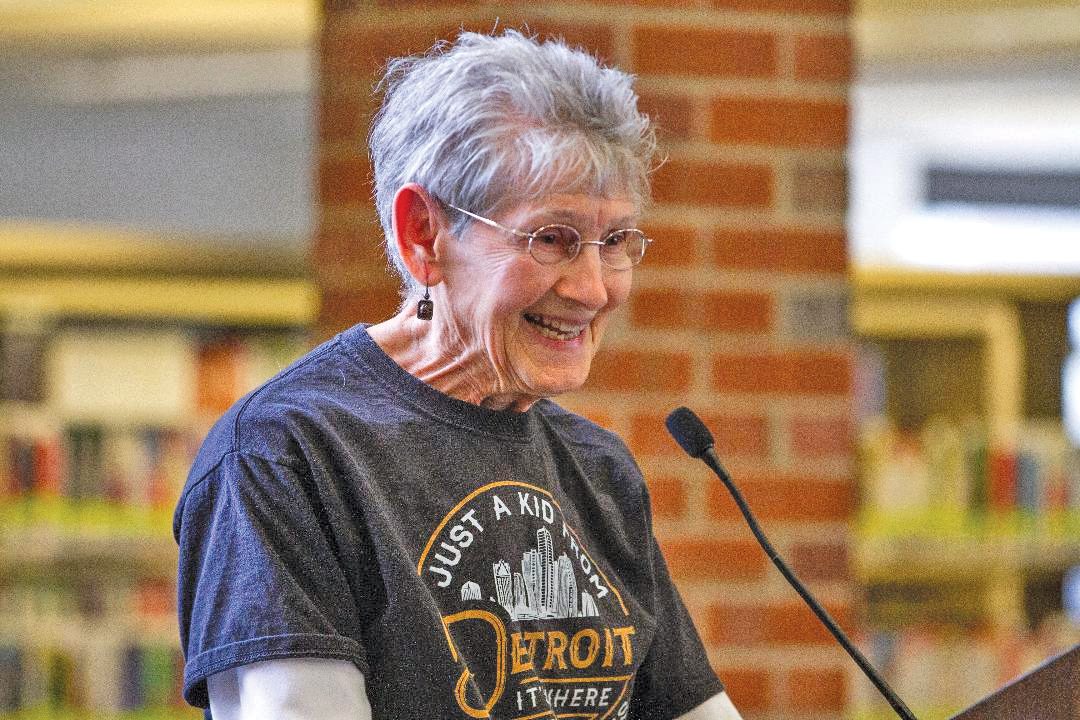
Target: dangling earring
{"points": [[425, 308]]}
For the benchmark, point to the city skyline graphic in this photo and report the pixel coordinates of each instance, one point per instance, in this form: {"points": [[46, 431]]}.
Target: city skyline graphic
{"points": [[546, 588]]}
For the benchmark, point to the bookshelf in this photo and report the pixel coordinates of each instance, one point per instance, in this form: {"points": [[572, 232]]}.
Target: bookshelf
{"points": [[117, 351], [970, 511]]}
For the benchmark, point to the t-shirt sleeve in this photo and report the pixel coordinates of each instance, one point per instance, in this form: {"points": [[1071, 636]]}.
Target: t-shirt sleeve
{"points": [[257, 578], [675, 676]]}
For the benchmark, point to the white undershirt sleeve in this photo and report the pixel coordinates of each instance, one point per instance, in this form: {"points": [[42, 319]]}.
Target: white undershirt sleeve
{"points": [[290, 689], [320, 689], [718, 707]]}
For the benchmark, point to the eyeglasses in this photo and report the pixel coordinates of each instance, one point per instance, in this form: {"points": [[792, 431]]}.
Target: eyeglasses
{"points": [[554, 244]]}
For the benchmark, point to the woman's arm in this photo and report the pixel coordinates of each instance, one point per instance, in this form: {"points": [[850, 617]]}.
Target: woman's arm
{"points": [[290, 689], [310, 689], [718, 707]]}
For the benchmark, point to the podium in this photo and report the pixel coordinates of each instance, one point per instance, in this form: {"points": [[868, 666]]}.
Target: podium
{"points": [[1049, 692]]}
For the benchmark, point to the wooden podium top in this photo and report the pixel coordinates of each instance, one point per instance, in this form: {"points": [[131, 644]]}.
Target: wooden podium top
{"points": [[1049, 692]]}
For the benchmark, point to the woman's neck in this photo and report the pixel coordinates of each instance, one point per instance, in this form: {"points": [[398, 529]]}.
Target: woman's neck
{"points": [[428, 351]]}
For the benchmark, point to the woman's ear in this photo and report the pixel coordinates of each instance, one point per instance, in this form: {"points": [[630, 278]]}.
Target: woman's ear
{"points": [[417, 221]]}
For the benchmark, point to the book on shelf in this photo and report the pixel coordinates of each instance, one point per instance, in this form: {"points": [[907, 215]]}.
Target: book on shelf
{"points": [[152, 377], [31, 455], [22, 361], [89, 647], [96, 677], [125, 412], [98, 428], [959, 469], [141, 467]]}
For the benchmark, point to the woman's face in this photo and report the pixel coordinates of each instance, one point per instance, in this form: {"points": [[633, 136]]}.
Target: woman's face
{"points": [[532, 329]]}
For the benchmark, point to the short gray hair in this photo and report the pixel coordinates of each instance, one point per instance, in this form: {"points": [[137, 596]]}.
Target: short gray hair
{"points": [[491, 120]]}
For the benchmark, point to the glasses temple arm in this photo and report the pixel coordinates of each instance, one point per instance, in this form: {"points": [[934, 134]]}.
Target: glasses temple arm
{"points": [[492, 223]]}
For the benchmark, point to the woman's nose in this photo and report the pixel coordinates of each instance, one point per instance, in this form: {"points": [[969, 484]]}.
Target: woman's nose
{"points": [[584, 278]]}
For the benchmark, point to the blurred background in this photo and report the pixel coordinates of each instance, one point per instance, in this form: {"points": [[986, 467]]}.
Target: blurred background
{"points": [[868, 250]]}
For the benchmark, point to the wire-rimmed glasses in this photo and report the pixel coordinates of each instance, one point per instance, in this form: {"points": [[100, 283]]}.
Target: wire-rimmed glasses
{"points": [[557, 243]]}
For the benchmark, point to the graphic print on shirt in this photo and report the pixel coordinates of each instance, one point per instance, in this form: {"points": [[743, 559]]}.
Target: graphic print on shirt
{"points": [[536, 626]]}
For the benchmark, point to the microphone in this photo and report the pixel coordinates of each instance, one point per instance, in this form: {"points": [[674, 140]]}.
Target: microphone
{"points": [[697, 441]]}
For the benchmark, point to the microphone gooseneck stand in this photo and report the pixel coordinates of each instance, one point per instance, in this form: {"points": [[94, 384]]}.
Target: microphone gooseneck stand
{"points": [[697, 441]]}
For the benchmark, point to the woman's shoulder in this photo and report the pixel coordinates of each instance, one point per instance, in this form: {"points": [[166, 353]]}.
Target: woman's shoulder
{"points": [[604, 459], [595, 443], [266, 420], [578, 429]]}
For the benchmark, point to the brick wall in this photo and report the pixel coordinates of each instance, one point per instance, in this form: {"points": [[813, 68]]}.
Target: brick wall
{"points": [[738, 311]]}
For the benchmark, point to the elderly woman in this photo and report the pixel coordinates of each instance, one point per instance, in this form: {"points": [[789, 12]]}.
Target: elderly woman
{"points": [[402, 525]]}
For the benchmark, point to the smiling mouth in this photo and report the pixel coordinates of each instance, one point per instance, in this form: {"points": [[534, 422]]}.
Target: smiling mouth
{"points": [[553, 328]]}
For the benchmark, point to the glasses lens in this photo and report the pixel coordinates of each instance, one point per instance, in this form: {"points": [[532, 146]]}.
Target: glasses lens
{"points": [[623, 248], [553, 244]]}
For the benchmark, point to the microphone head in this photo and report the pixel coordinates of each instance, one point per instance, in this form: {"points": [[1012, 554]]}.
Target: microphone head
{"points": [[689, 432]]}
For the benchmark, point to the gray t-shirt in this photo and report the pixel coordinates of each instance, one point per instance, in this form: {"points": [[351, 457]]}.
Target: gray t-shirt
{"points": [[471, 563]]}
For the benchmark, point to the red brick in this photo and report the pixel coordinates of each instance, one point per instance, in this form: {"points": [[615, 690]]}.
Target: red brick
{"points": [[818, 690], [360, 245], [603, 418], [349, 50], [821, 437], [668, 496], [398, 4], [823, 57], [659, 308], [826, 373], [823, 561], [342, 118], [724, 311], [647, 3], [744, 435], [717, 184], [672, 115], [672, 245], [666, 50], [796, 624], [595, 38], [728, 625], [345, 271], [343, 308], [749, 688], [781, 249], [780, 122], [633, 370], [808, 7], [703, 558], [786, 498], [345, 181], [735, 311], [648, 436]]}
